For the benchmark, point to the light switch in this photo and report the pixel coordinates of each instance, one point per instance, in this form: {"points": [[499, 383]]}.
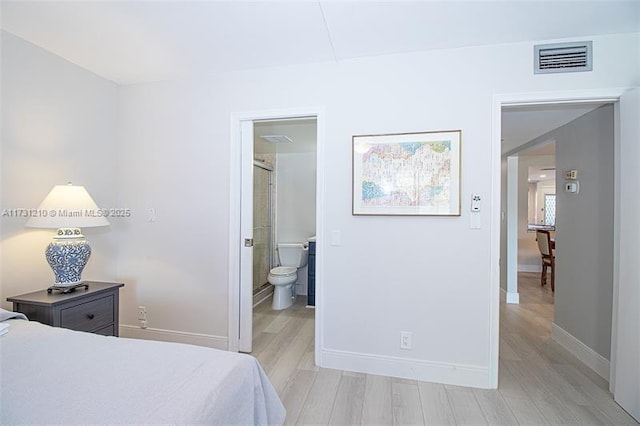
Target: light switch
{"points": [[476, 219], [151, 215], [336, 238], [571, 174]]}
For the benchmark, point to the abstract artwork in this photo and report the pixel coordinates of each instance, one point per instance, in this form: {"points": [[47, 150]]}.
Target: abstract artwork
{"points": [[407, 174]]}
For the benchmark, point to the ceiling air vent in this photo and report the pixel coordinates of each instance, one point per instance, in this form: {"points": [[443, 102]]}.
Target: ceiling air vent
{"points": [[563, 57], [277, 139]]}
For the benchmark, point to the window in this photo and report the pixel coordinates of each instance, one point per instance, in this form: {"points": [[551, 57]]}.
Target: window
{"points": [[550, 209]]}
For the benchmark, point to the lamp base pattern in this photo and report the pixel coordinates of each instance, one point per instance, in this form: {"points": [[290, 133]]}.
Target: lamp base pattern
{"points": [[67, 258]]}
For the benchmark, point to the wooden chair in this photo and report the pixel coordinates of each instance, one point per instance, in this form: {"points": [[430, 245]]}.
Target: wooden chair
{"points": [[548, 257]]}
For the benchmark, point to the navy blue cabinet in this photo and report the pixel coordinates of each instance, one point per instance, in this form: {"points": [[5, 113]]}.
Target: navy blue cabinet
{"points": [[311, 288]]}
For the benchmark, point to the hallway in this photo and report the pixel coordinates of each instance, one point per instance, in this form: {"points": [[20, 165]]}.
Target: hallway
{"points": [[540, 382]]}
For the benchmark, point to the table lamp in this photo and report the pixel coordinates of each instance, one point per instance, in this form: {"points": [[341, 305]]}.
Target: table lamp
{"points": [[67, 208]]}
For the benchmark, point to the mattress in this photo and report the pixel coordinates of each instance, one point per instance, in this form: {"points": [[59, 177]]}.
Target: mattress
{"points": [[56, 376]]}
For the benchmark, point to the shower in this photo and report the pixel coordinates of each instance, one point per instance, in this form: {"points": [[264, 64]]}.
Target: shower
{"points": [[263, 235]]}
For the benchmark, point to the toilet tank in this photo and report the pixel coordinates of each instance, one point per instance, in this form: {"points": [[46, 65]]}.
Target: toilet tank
{"points": [[293, 254]]}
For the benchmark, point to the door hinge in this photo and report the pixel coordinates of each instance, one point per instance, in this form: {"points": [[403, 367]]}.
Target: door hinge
{"points": [[248, 242]]}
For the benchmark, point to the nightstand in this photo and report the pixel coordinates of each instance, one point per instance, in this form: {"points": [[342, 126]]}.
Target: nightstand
{"points": [[94, 310]]}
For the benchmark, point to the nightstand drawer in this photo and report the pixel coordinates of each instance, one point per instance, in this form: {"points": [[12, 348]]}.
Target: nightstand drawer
{"points": [[94, 309], [88, 316]]}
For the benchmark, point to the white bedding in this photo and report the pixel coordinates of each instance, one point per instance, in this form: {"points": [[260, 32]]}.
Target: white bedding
{"points": [[57, 376]]}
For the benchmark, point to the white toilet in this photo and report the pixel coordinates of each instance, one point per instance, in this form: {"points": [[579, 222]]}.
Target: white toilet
{"points": [[292, 256]]}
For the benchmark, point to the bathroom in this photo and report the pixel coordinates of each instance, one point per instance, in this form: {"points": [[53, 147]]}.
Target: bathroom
{"points": [[284, 208]]}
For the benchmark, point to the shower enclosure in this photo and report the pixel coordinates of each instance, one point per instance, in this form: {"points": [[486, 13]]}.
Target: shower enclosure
{"points": [[263, 241]]}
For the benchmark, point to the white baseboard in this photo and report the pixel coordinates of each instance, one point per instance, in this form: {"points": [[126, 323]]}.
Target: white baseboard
{"points": [[530, 268], [511, 298], [217, 342], [406, 368], [584, 353]]}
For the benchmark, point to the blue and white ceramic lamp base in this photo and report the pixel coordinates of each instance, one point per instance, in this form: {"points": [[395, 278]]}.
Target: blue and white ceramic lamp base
{"points": [[67, 255]]}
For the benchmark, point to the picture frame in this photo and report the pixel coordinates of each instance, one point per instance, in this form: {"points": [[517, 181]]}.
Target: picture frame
{"points": [[408, 174]]}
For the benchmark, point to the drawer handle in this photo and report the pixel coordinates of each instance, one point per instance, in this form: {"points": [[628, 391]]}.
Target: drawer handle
{"points": [[90, 316]]}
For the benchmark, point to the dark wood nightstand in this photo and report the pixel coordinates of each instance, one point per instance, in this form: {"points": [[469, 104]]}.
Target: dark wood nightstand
{"points": [[94, 310]]}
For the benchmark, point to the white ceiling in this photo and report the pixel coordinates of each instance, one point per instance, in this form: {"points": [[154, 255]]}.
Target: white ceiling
{"points": [[135, 41], [145, 40], [541, 173], [522, 124]]}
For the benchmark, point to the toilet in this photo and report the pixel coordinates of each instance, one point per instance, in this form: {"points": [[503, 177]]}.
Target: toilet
{"points": [[292, 256]]}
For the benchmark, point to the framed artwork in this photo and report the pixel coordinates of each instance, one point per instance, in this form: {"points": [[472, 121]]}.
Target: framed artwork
{"points": [[410, 174]]}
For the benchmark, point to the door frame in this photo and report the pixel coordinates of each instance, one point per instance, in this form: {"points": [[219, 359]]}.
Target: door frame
{"points": [[236, 320], [549, 98]]}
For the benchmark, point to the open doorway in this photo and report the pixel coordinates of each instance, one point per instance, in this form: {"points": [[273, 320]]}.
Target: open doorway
{"points": [[621, 106], [529, 154], [284, 206], [580, 223], [287, 146]]}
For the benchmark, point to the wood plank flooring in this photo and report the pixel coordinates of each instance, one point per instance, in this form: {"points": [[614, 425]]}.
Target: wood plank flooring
{"points": [[540, 383]]}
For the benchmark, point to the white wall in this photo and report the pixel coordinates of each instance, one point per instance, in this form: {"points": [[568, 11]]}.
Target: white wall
{"points": [[296, 212], [59, 124], [296, 195], [173, 161], [410, 267], [531, 211], [584, 232], [503, 223], [428, 275]]}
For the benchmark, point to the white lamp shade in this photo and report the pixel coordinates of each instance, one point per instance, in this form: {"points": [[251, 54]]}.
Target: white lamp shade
{"points": [[68, 206]]}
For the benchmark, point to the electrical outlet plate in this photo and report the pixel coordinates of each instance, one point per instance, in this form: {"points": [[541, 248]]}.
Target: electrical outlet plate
{"points": [[142, 313], [406, 340]]}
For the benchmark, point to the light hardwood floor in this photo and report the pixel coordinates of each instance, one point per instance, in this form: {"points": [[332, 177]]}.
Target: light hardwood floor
{"points": [[540, 383]]}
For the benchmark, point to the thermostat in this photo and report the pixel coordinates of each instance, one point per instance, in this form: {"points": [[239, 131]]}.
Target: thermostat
{"points": [[572, 187]]}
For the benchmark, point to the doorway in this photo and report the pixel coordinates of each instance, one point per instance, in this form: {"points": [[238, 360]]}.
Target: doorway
{"points": [[246, 127], [582, 143], [625, 296], [284, 201]]}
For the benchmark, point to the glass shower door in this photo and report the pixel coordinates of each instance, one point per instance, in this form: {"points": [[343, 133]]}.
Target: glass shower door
{"points": [[262, 227]]}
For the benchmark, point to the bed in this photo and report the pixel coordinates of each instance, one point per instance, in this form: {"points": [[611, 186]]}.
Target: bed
{"points": [[57, 376]]}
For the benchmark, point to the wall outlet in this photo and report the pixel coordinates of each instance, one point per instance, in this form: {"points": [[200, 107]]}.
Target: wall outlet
{"points": [[406, 340], [142, 313]]}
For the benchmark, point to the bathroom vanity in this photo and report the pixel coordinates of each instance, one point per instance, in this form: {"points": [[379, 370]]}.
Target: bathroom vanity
{"points": [[311, 271]]}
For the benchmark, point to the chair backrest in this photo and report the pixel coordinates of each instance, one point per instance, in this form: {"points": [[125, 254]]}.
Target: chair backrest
{"points": [[544, 242]]}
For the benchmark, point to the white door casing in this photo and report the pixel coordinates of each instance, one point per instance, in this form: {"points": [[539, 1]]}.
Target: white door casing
{"points": [[246, 233], [625, 337]]}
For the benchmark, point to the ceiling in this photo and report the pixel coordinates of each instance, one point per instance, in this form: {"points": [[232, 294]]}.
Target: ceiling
{"points": [[136, 41], [523, 124]]}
